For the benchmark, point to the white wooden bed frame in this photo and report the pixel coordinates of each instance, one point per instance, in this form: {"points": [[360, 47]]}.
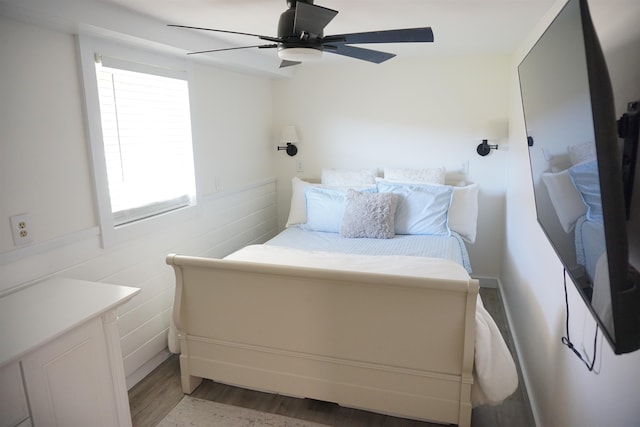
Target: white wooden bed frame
{"points": [[391, 344]]}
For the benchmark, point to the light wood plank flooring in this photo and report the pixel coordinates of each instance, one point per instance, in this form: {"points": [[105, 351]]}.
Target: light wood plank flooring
{"points": [[153, 397]]}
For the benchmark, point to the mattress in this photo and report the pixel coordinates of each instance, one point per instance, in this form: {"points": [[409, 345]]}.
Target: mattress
{"points": [[447, 247]]}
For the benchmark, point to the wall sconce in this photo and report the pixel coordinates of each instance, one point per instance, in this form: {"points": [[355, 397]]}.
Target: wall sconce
{"points": [[289, 137], [496, 130], [485, 148]]}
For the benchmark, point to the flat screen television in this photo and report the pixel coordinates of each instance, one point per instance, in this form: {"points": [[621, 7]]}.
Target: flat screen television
{"points": [[583, 172]]}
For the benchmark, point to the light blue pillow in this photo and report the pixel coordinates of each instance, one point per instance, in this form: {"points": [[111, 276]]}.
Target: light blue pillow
{"points": [[422, 208], [586, 180], [325, 208]]}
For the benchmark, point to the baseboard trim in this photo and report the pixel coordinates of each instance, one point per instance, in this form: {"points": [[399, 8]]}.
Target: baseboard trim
{"points": [[523, 369], [144, 370], [488, 282]]}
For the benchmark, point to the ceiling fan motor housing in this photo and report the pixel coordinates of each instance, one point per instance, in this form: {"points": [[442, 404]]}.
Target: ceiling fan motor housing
{"points": [[292, 3], [286, 22], [287, 32]]}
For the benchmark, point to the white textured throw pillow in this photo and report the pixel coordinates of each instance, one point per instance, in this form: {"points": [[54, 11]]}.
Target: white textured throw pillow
{"points": [[348, 177], [369, 215], [425, 176]]}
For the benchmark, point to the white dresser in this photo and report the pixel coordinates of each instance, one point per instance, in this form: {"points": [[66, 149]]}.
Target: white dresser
{"points": [[60, 357]]}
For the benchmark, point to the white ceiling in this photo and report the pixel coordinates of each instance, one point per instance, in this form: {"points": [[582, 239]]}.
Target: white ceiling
{"points": [[461, 27]]}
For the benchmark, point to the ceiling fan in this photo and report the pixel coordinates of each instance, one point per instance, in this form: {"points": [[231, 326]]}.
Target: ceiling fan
{"points": [[300, 36]]}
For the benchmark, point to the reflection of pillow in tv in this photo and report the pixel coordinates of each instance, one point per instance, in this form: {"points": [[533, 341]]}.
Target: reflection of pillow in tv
{"points": [[580, 153], [565, 198], [585, 178], [369, 215]]}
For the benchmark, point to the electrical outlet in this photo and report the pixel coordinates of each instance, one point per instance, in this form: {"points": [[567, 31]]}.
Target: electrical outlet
{"points": [[299, 166], [21, 229]]}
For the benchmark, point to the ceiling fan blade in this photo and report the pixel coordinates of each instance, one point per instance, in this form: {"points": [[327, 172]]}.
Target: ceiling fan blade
{"points": [[407, 35], [262, 46], [311, 18], [374, 56], [268, 38], [286, 63]]}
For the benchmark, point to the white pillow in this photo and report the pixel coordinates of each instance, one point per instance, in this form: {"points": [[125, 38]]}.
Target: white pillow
{"points": [[463, 212], [427, 176], [565, 198], [580, 153], [369, 215], [298, 208], [422, 208], [348, 177]]}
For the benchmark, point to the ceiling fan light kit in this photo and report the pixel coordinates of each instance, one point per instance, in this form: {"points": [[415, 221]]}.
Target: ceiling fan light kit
{"points": [[301, 36], [299, 54]]}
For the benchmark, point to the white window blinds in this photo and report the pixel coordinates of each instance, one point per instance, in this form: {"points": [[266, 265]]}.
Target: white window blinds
{"points": [[146, 130]]}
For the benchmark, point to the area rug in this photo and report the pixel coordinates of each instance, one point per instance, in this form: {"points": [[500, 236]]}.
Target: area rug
{"points": [[204, 413]]}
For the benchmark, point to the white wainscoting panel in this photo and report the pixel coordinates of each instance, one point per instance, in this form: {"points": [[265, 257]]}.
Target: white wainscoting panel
{"points": [[218, 225]]}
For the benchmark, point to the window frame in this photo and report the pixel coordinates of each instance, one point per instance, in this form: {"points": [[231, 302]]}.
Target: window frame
{"points": [[171, 66]]}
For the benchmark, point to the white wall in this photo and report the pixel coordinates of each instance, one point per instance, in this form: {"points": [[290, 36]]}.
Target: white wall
{"points": [[561, 389], [403, 113], [45, 171]]}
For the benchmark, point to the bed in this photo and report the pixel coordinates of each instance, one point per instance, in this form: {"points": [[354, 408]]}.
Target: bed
{"points": [[375, 323]]}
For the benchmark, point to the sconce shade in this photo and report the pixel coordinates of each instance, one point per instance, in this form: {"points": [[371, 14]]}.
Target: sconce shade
{"points": [[289, 134], [290, 137]]}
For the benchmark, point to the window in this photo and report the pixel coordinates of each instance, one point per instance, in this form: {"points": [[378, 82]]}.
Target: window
{"points": [[139, 128], [146, 135]]}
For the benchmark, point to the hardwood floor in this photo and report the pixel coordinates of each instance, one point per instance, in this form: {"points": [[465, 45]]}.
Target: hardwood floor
{"points": [[153, 397]]}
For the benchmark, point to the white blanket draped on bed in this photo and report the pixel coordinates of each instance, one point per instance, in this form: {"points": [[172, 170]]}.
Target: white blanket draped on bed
{"points": [[495, 376]]}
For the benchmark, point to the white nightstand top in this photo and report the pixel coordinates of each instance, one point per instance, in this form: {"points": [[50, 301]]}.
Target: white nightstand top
{"points": [[45, 310]]}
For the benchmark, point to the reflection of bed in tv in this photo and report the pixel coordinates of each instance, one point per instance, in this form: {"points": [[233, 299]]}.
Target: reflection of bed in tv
{"points": [[591, 253]]}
